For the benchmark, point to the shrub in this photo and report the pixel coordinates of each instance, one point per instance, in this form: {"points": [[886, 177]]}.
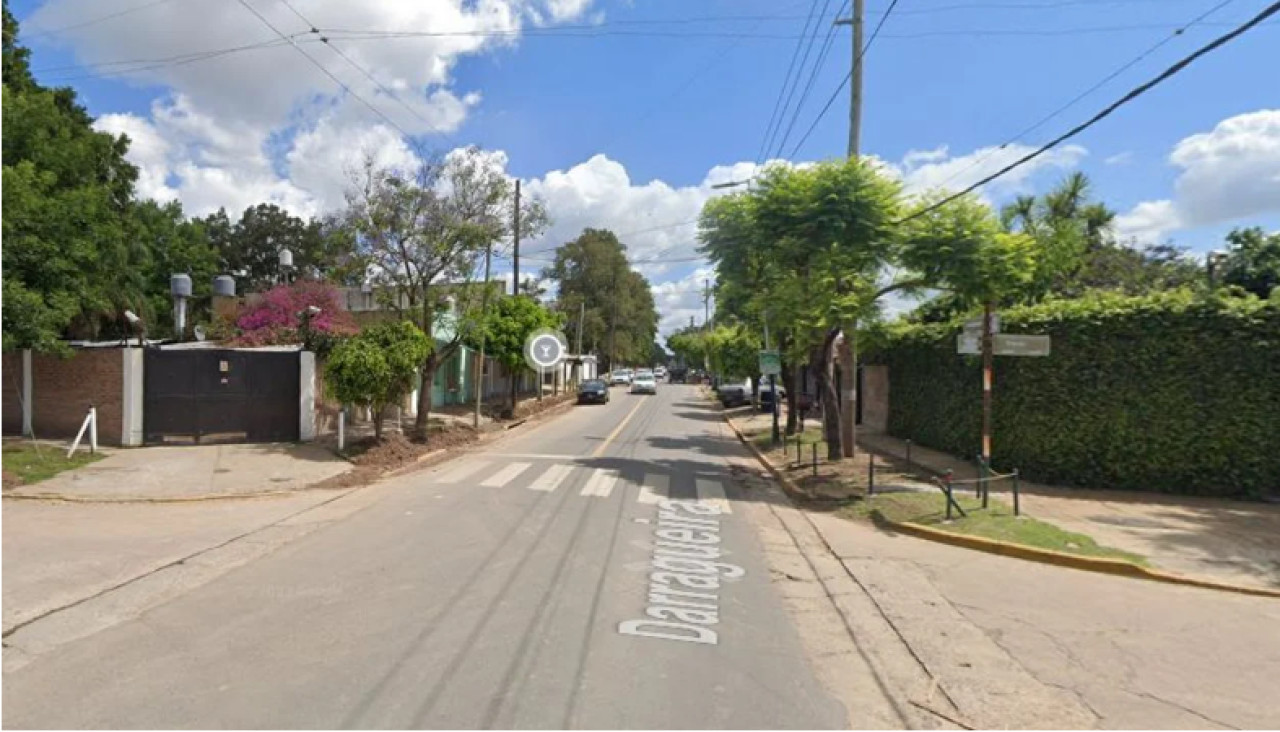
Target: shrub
{"points": [[1173, 392]]}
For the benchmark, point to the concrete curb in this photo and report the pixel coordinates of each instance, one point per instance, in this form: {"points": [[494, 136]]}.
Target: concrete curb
{"points": [[1101, 565]]}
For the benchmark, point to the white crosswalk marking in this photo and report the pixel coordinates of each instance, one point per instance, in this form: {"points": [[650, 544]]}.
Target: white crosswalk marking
{"points": [[656, 488], [711, 493], [549, 480], [504, 476], [600, 484], [462, 471]]}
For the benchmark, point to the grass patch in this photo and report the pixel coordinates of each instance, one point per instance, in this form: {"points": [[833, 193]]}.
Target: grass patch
{"points": [[31, 464], [996, 522], [810, 436]]}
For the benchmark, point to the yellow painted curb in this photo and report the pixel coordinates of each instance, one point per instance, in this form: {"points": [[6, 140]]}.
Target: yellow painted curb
{"points": [[1102, 565]]}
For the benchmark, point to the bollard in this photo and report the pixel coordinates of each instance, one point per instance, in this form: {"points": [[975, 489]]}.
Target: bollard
{"points": [[342, 428], [799, 457], [984, 484], [1016, 507], [815, 459], [908, 454], [871, 474], [946, 486]]}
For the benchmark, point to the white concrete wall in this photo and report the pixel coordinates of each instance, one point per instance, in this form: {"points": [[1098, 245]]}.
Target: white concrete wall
{"points": [[307, 396], [131, 405]]}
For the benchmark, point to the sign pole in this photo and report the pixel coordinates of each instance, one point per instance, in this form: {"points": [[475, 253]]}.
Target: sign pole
{"points": [[773, 389], [988, 360]]}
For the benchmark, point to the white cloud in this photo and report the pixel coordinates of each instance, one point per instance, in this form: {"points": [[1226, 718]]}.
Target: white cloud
{"points": [[1123, 158], [264, 83], [926, 170], [681, 299], [1229, 173]]}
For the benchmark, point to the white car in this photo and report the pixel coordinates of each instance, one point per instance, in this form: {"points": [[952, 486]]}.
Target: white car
{"points": [[620, 377], [660, 373], [644, 383]]}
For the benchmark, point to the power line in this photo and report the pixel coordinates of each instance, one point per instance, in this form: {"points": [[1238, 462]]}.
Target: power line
{"points": [[324, 39], [94, 21], [320, 66], [1133, 94], [799, 72], [861, 54], [813, 76], [1132, 62], [766, 143]]}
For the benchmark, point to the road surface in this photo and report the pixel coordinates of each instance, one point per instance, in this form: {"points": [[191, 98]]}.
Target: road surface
{"points": [[591, 573]]}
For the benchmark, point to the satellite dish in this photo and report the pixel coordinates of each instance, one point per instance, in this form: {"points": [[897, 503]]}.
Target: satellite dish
{"points": [[199, 332]]}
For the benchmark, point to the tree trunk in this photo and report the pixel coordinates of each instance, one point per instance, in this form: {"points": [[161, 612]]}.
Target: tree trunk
{"points": [[848, 402], [824, 373], [377, 421], [511, 377], [424, 397], [784, 379]]}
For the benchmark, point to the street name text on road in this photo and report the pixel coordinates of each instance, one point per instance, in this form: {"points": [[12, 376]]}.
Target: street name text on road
{"points": [[682, 598]]}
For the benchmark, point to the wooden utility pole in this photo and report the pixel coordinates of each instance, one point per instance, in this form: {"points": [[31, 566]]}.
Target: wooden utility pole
{"points": [[845, 346], [484, 312], [515, 255]]}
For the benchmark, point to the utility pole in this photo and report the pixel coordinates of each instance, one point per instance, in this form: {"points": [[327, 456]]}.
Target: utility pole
{"points": [[706, 327], [987, 377], [582, 316], [848, 364], [484, 312], [613, 326], [515, 255]]}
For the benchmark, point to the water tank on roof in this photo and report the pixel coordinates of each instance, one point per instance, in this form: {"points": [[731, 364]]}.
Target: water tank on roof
{"points": [[180, 285], [224, 285]]}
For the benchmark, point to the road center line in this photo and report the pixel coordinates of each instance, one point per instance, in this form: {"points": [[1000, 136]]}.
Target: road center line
{"points": [[600, 450]]}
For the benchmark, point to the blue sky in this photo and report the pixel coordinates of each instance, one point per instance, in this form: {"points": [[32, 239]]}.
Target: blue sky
{"points": [[667, 90]]}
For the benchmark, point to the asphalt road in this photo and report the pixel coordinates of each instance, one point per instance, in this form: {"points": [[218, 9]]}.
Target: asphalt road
{"points": [[514, 587]]}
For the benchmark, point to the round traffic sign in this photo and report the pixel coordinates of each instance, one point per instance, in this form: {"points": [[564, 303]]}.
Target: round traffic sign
{"points": [[545, 349]]}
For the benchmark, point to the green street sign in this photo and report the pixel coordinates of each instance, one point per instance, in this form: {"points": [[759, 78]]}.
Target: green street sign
{"points": [[770, 363]]}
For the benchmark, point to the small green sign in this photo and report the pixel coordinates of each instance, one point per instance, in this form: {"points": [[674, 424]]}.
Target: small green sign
{"points": [[770, 363]]}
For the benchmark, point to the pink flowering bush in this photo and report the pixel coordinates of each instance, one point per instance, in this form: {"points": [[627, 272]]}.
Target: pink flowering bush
{"points": [[273, 320]]}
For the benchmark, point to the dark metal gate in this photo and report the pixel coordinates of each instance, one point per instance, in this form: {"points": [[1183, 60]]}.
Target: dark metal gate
{"points": [[195, 396]]}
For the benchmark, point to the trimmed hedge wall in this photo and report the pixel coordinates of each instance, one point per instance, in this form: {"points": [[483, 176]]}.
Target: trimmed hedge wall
{"points": [[1173, 393]]}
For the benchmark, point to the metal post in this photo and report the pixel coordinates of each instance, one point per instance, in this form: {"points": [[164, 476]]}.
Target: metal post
{"points": [[515, 255], [871, 473], [986, 483], [908, 454], [1017, 509], [988, 359], [484, 312], [946, 486], [93, 430], [815, 459], [342, 428]]}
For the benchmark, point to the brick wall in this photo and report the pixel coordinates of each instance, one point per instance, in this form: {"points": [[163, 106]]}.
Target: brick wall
{"points": [[11, 394], [875, 397], [63, 389]]}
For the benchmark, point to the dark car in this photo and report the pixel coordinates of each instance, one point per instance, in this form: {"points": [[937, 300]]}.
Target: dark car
{"points": [[766, 397], [593, 391], [678, 376]]}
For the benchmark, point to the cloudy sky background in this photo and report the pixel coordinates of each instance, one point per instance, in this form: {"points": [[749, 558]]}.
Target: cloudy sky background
{"points": [[625, 114]]}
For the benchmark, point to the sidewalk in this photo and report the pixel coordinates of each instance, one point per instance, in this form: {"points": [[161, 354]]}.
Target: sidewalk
{"points": [[1228, 541], [1235, 542], [185, 473]]}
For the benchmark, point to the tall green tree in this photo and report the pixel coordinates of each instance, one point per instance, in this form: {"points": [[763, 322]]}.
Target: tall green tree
{"points": [[253, 243], [621, 319], [424, 233], [1253, 261], [505, 329], [67, 197]]}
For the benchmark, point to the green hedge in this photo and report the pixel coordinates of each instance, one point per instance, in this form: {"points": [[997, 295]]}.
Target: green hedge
{"points": [[1173, 393]]}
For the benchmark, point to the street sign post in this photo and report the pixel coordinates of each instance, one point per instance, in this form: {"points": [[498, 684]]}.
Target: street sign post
{"points": [[770, 363], [1005, 344]]}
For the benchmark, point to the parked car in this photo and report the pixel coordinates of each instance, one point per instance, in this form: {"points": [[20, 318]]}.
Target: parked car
{"points": [[620, 377], [660, 373], [644, 383], [734, 395], [593, 391], [678, 376]]}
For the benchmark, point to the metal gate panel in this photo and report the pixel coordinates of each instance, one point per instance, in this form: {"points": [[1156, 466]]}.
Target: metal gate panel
{"points": [[215, 395]]}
